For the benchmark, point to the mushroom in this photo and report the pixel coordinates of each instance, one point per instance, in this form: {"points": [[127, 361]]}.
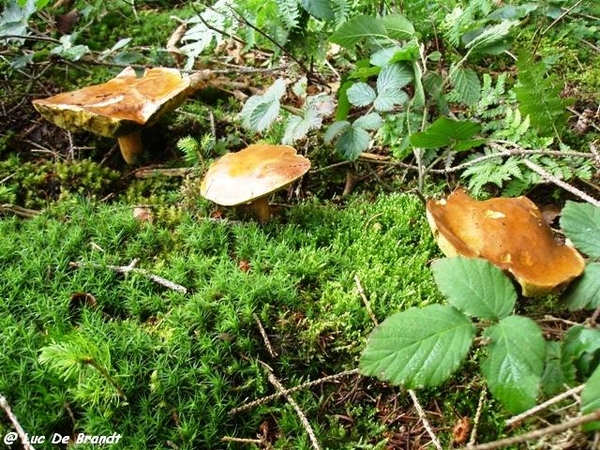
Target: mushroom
{"points": [[120, 107], [511, 234], [250, 175]]}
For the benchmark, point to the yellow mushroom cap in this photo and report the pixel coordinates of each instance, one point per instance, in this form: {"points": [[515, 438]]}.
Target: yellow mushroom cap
{"points": [[252, 173], [508, 232], [120, 106]]}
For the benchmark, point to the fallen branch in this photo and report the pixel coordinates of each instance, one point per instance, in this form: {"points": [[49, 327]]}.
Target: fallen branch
{"points": [[19, 210], [305, 423], [131, 268], [434, 439], [289, 391], [546, 404], [482, 397], [536, 434], [19, 429]]}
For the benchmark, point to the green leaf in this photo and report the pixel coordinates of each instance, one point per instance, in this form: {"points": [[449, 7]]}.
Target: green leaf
{"points": [[581, 223], [321, 9], [371, 122], [353, 142], [585, 291], [398, 27], [515, 362], [382, 58], [590, 399], [582, 346], [357, 29], [393, 77], [361, 94], [558, 371], [418, 347], [445, 132], [467, 87], [335, 129], [461, 146], [475, 286], [259, 113], [491, 34]]}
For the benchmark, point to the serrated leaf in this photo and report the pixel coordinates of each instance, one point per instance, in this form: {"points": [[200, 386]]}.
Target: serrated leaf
{"points": [[388, 99], [557, 372], [356, 29], [491, 34], [382, 58], [353, 142], [394, 76], [590, 399], [259, 113], [295, 129], [461, 146], [445, 132], [581, 223], [276, 90], [467, 87], [418, 347], [321, 9], [475, 286], [585, 291], [582, 346], [398, 27], [335, 129], [371, 122], [361, 94], [515, 361]]}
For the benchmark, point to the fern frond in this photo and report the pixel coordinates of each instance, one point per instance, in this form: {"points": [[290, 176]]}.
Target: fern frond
{"points": [[190, 147], [290, 12]]}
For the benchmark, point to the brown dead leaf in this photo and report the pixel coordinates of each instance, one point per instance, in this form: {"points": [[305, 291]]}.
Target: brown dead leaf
{"points": [[66, 22]]}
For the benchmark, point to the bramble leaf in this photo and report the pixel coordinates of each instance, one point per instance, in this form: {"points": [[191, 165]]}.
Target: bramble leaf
{"points": [[581, 223], [398, 27], [585, 291], [467, 87], [515, 362], [475, 286], [353, 142], [357, 29], [590, 399], [361, 94], [321, 9], [418, 347], [445, 132]]}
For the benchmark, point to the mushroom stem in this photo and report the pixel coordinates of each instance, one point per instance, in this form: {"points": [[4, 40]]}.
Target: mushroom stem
{"points": [[261, 209], [131, 146]]}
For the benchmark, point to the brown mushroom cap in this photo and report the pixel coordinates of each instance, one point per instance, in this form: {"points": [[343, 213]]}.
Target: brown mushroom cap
{"points": [[252, 173], [119, 107], [508, 232]]}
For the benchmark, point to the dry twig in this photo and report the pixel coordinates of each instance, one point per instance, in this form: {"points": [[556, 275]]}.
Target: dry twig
{"points": [[365, 300], [536, 434], [263, 333], [131, 268], [434, 439], [305, 423], [546, 404], [19, 429], [482, 396]]}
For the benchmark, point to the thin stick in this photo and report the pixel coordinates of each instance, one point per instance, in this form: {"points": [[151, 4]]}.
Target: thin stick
{"points": [[305, 423], [130, 268], [482, 397], [365, 300], [423, 418], [566, 186], [242, 440], [536, 434], [546, 404], [22, 435], [289, 391], [263, 333]]}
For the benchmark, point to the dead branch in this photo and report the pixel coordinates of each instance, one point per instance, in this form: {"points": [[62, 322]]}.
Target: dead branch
{"points": [[131, 268], [19, 429], [434, 439]]}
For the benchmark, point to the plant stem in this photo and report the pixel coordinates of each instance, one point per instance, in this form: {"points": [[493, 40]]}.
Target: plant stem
{"points": [[92, 362]]}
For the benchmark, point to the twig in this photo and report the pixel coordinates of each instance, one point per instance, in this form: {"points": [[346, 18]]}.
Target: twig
{"points": [[482, 397], [22, 435], [365, 300], [536, 434], [542, 406], [241, 440], [305, 423], [263, 333], [19, 210], [566, 186], [559, 18], [130, 268], [426, 424], [289, 391]]}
